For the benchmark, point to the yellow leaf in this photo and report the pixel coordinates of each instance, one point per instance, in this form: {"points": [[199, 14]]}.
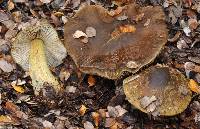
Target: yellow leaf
{"points": [[5, 119], [82, 110], [194, 86], [19, 89]]}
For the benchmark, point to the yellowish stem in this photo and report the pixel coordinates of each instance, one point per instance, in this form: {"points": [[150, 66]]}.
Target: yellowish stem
{"points": [[39, 70]]}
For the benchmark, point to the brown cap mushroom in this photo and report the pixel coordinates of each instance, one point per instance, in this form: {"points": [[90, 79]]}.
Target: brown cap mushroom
{"points": [[35, 49], [114, 50], [159, 90]]}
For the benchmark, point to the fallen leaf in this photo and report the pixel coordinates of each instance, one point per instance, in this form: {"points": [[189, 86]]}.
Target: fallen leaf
{"points": [[115, 12], [79, 34], [5, 120], [90, 32], [121, 111], [75, 3], [11, 5], [11, 33], [3, 16], [70, 89], [121, 18], [139, 17], [96, 118], [15, 110], [19, 89], [82, 110], [132, 65], [91, 81], [19, 1], [193, 24], [193, 85], [112, 111], [47, 124], [64, 19], [45, 1], [17, 15], [64, 75], [5, 66], [58, 14], [187, 31], [88, 125], [127, 28], [109, 122], [56, 20], [146, 101]]}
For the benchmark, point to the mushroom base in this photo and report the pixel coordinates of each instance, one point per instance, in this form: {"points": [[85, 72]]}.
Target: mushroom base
{"points": [[39, 70]]}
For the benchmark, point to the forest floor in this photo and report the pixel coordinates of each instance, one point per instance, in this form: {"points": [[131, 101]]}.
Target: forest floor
{"points": [[88, 98]]}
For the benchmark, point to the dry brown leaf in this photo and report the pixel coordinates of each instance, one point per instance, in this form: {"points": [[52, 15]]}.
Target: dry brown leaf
{"points": [[96, 118], [115, 12], [15, 110], [193, 85], [91, 81], [193, 24]]}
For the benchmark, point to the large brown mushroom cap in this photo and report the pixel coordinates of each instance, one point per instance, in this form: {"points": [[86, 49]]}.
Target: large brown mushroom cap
{"points": [[109, 56], [54, 50], [159, 89]]}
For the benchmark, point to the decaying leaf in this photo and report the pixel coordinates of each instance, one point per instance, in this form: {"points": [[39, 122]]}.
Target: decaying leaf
{"points": [[96, 118], [193, 85]]}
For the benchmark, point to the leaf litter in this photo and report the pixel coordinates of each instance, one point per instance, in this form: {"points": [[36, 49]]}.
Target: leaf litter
{"points": [[19, 104]]}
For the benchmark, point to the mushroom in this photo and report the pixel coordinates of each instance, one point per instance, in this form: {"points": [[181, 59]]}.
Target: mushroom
{"points": [[116, 48], [159, 90], [36, 49]]}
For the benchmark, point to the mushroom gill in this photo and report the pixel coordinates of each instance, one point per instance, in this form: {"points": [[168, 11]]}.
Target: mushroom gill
{"points": [[37, 48]]}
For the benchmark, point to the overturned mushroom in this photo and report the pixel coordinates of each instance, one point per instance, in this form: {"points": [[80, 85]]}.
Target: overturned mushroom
{"points": [[119, 45], [159, 90], [35, 49]]}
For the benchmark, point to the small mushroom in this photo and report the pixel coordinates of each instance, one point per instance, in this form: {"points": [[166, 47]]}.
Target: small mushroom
{"points": [[116, 44], [36, 49], [159, 90]]}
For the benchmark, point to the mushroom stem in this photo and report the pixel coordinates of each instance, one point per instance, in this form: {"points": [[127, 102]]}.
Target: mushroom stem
{"points": [[39, 70]]}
